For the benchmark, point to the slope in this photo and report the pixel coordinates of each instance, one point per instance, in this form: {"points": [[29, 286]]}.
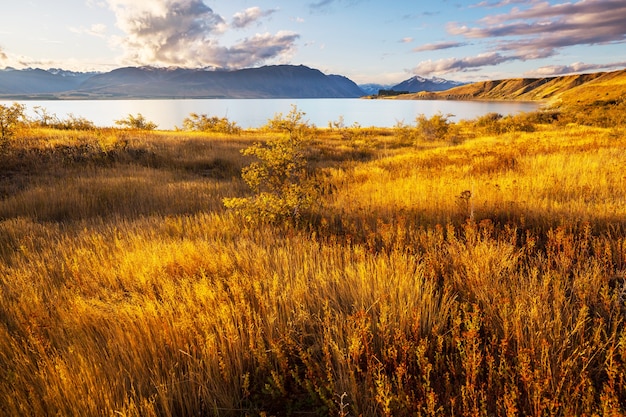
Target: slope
{"points": [[554, 90]]}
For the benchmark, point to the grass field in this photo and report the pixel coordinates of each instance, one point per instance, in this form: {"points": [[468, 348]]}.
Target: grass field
{"points": [[483, 275]]}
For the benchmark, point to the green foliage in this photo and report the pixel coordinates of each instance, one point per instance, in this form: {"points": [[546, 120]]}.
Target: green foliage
{"points": [[279, 178], [138, 122], [10, 118], [204, 123]]}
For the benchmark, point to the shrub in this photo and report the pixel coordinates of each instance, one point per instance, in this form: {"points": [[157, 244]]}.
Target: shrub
{"points": [[76, 123], [490, 123], [279, 179], [404, 133], [435, 128], [10, 118], [204, 123], [136, 122], [496, 124], [44, 119], [609, 113]]}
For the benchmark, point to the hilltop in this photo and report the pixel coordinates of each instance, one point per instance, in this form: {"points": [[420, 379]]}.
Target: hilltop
{"points": [[588, 88]]}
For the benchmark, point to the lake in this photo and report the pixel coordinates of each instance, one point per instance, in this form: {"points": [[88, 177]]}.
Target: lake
{"points": [[251, 113]]}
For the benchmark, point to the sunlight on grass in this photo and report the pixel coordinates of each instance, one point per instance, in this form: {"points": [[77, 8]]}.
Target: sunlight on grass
{"points": [[483, 275]]}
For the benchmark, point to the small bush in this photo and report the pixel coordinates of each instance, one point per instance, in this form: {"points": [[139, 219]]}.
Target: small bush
{"points": [[279, 179], [44, 119], [405, 134], [138, 122], [204, 123], [10, 118], [435, 128], [496, 124]]}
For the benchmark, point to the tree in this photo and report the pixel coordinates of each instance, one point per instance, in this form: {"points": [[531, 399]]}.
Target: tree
{"points": [[136, 122], [10, 117], [279, 179]]}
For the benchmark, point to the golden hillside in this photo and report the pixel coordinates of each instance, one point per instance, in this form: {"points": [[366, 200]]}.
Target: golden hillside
{"points": [[606, 87]]}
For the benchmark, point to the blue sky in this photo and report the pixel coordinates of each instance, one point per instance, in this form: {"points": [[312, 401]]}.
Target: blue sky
{"points": [[365, 40]]}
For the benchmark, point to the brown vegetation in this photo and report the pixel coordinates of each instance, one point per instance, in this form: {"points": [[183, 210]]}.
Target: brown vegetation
{"points": [[475, 271], [579, 87]]}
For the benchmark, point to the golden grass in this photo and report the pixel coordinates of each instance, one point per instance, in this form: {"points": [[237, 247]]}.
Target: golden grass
{"points": [[550, 176], [127, 289]]}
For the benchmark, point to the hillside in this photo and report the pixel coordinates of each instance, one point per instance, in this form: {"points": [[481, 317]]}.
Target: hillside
{"points": [[279, 81], [608, 86]]}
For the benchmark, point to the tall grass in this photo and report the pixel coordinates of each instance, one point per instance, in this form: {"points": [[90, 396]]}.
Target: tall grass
{"points": [[483, 278]]}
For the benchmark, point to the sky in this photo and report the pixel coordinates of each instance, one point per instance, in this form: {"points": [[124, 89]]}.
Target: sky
{"points": [[369, 41]]}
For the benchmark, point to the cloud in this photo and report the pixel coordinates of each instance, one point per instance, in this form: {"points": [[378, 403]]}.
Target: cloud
{"points": [[542, 29], [406, 40], [249, 16], [492, 5], [325, 5], [3, 56], [438, 46], [577, 67], [535, 30], [186, 33], [321, 4], [252, 51], [443, 66]]}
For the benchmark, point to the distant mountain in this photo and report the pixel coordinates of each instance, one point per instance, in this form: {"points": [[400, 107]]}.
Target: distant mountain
{"points": [[278, 81], [373, 89], [416, 84], [34, 81]]}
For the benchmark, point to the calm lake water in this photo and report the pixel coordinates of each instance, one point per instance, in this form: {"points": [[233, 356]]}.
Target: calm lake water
{"points": [[168, 114]]}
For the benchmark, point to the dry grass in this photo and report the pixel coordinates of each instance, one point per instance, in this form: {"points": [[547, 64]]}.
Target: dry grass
{"points": [[486, 278]]}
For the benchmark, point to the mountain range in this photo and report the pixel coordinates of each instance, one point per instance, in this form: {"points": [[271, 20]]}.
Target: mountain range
{"points": [[414, 84], [288, 81], [277, 81]]}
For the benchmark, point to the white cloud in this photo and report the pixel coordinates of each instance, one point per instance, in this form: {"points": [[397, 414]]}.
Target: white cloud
{"points": [[186, 33], [542, 29], [533, 30], [250, 16], [444, 66], [576, 67], [438, 46]]}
